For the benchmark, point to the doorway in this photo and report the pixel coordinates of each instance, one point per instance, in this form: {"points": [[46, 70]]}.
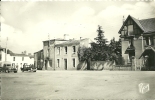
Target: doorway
{"points": [[65, 64]]}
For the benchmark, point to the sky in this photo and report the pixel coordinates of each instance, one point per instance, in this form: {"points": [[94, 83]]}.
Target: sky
{"points": [[28, 23]]}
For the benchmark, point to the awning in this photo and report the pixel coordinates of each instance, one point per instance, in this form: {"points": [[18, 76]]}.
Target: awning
{"points": [[147, 50]]}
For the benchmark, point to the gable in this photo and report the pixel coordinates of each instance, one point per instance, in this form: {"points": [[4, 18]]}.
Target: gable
{"points": [[131, 26]]}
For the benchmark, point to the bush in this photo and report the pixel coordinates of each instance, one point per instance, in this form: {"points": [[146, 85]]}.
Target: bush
{"points": [[152, 68]]}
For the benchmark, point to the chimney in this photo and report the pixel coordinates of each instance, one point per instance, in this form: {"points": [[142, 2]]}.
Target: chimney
{"points": [[66, 37]]}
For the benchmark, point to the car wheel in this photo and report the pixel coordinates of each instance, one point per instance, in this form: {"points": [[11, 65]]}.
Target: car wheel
{"points": [[34, 71]]}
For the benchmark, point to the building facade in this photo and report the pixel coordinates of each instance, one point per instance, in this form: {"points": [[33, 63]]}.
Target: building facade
{"points": [[138, 37], [39, 59], [66, 54], [61, 54], [16, 59]]}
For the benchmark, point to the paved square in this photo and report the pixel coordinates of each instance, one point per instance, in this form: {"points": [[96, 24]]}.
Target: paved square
{"points": [[77, 85]]}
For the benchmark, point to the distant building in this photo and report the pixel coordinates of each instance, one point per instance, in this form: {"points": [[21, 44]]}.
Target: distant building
{"points": [[138, 39], [49, 53], [39, 59], [62, 53], [66, 54], [15, 59]]}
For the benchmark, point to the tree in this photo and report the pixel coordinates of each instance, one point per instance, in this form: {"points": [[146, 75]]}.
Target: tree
{"points": [[84, 54], [115, 50], [100, 48], [100, 39]]}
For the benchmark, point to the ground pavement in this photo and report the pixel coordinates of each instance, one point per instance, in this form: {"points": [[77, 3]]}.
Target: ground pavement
{"points": [[77, 85]]}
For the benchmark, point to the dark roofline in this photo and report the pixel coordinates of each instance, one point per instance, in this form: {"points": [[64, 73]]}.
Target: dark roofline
{"points": [[69, 42], [38, 51], [55, 40], [146, 19], [134, 19], [15, 54]]}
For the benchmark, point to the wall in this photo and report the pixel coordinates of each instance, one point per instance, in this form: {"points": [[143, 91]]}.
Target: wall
{"points": [[138, 47], [69, 56], [97, 65], [124, 47]]}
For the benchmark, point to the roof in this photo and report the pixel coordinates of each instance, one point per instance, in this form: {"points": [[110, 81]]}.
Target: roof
{"points": [[15, 54], [148, 48], [58, 39], [39, 51], [1, 48], [146, 25], [70, 42]]}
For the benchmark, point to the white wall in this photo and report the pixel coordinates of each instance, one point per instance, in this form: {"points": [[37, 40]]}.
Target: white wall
{"points": [[18, 59]]}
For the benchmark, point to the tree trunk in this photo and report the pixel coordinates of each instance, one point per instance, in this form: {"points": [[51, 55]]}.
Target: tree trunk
{"points": [[88, 63]]}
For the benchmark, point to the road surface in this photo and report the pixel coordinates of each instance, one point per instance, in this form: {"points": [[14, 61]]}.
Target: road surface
{"points": [[77, 85]]}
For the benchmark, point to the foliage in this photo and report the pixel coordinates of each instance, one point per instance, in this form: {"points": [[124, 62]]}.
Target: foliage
{"points": [[100, 50]]}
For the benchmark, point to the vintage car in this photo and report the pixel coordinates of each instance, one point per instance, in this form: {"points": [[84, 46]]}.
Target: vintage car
{"points": [[28, 68], [6, 67]]}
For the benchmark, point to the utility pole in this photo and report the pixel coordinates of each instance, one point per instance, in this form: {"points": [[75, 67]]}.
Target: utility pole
{"points": [[6, 49]]}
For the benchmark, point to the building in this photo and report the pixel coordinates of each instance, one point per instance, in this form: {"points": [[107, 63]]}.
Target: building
{"points": [[138, 39], [39, 59], [15, 59], [49, 52], [66, 54], [59, 53]]}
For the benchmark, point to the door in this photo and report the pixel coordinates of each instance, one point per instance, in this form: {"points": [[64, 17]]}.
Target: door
{"points": [[65, 64]]}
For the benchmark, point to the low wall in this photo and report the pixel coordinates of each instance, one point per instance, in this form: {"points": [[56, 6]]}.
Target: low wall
{"points": [[96, 65]]}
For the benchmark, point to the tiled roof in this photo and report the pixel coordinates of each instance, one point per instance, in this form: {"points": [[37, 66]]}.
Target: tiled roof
{"points": [[68, 43], [59, 39], [15, 54], [148, 48], [148, 25]]}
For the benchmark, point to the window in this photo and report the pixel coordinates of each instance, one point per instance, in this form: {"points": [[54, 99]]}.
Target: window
{"points": [[149, 40], [13, 58], [58, 50], [22, 58], [65, 50], [73, 62], [130, 30], [58, 62], [74, 49]]}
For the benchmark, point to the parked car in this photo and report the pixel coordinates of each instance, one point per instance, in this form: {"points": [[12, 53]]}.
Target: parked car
{"points": [[6, 67], [28, 68]]}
